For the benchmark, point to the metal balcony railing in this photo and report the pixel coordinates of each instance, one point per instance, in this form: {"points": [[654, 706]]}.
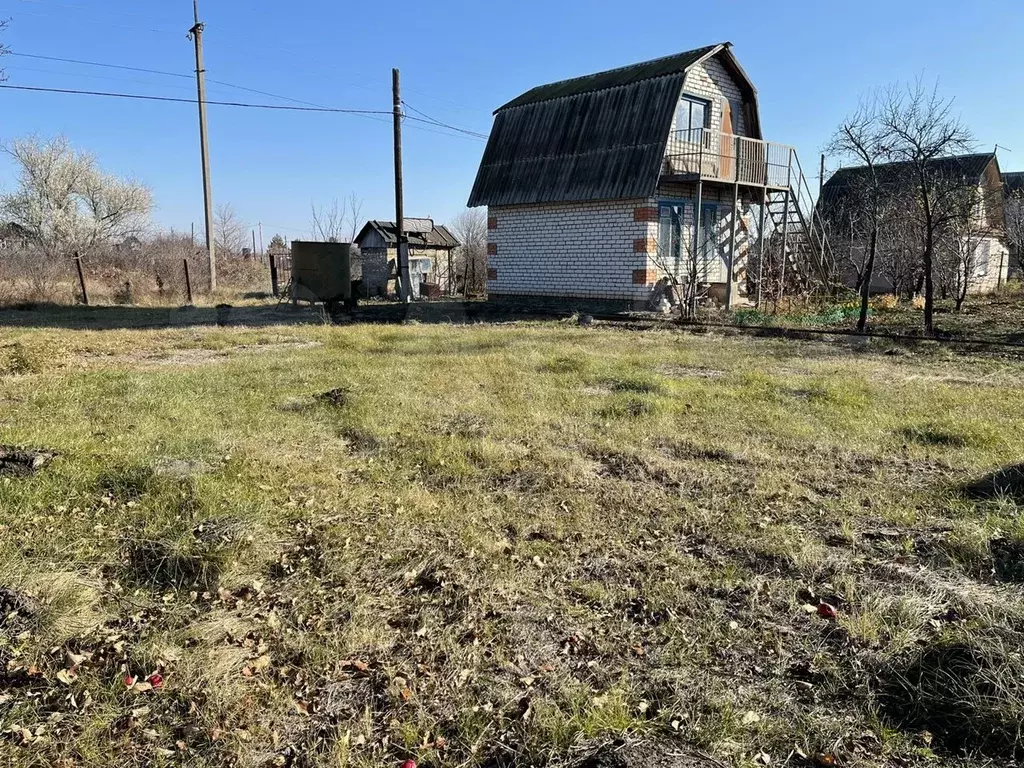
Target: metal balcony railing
{"points": [[717, 156]]}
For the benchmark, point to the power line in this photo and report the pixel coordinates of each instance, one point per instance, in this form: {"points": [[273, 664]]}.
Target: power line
{"points": [[434, 121], [371, 113], [100, 64], [146, 97], [425, 119]]}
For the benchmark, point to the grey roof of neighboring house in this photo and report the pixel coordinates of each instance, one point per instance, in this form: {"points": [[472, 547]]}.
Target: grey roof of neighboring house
{"points": [[844, 181], [1013, 181], [597, 137], [421, 232]]}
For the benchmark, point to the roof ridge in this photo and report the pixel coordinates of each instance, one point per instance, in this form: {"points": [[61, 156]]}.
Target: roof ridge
{"points": [[891, 163], [702, 51]]}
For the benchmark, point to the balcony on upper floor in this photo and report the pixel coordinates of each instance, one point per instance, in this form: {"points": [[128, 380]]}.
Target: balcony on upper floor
{"points": [[711, 155]]}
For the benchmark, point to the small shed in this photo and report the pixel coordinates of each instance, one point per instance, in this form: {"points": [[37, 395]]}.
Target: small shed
{"points": [[432, 244]]}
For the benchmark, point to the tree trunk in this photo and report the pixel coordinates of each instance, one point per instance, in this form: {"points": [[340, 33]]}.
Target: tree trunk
{"points": [[865, 291], [929, 284]]}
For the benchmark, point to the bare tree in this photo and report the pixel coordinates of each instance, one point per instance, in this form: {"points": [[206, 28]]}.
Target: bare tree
{"points": [[327, 224], [865, 137], [470, 228], [355, 216], [230, 234], [1014, 207], [899, 239], [678, 258], [921, 128], [65, 203], [340, 222]]}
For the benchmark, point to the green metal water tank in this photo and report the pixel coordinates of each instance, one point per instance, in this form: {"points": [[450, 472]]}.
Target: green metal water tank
{"points": [[321, 271]]}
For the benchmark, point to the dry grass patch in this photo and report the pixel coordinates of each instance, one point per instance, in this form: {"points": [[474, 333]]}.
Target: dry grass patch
{"points": [[519, 545]]}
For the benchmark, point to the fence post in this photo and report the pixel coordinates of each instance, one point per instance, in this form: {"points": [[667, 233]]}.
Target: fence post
{"points": [[188, 282], [273, 272], [81, 279]]}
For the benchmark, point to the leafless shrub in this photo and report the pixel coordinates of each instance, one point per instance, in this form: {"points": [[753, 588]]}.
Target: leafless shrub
{"points": [[467, 269]]}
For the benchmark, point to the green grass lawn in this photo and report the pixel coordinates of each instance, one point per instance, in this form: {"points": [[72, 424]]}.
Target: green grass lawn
{"points": [[508, 545]]}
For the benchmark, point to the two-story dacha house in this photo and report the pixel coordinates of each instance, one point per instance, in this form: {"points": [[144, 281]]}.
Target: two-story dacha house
{"points": [[593, 186]]}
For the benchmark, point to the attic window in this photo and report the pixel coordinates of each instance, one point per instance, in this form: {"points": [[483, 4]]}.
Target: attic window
{"points": [[692, 116]]}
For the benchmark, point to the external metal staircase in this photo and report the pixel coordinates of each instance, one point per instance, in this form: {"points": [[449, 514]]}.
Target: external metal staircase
{"points": [[778, 246]]}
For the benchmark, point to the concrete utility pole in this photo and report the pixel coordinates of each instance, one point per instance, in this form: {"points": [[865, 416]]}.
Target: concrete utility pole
{"points": [[402, 266], [196, 34]]}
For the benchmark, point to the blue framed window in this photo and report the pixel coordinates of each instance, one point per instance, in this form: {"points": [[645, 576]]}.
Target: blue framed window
{"points": [[675, 240]]}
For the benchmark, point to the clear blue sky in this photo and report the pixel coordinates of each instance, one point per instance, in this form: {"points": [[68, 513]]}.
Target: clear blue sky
{"points": [[809, 60]]}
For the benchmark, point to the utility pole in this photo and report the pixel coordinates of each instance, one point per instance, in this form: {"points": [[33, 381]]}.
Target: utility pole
{"points": [[259, 224], [821, 178], [403, 245], [196, 34]]}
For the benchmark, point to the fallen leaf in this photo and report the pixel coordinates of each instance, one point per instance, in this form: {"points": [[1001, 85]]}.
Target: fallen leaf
{"points": [[750, 718], [66, 676]]}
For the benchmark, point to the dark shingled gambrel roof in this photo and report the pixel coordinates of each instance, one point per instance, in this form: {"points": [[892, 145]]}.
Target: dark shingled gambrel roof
{"points": [[613, 78], [421, 232], [843, 181], [1013, 181], [597, 137]]}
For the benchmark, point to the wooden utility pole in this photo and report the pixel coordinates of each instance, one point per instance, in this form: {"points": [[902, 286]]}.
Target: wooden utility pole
{"points": [[196, 33], [188, 282], [402, 266], [259, 224], [273, 274], [81, 279], [821, 178]]}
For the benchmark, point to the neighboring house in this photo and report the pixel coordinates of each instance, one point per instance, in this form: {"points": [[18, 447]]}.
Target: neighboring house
{"points": [[130, 244], [1013, 187], [431, 253], [13, 235], [839, 200], [592, 185]]}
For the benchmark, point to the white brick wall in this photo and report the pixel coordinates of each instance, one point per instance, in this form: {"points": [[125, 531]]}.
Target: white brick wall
{"points": [[582, 250], [710, 81]]}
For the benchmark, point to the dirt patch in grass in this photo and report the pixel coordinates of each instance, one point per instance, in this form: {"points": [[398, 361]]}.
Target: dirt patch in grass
{"points": [[688, 450], [338, 397], [631, 467], [689, 372], [18, 611], [21, 462], [174, 564]]}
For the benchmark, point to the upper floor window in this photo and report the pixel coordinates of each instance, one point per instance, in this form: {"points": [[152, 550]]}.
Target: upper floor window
{"points": [[692, 115]]}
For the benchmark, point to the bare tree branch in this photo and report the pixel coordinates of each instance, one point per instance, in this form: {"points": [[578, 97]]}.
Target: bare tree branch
{"points": [[230, 234]]}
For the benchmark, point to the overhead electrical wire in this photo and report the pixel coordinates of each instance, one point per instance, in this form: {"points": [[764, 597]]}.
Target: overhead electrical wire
{"points": [[148, 97], [237, 104], [307, 106], [444, 125]]}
